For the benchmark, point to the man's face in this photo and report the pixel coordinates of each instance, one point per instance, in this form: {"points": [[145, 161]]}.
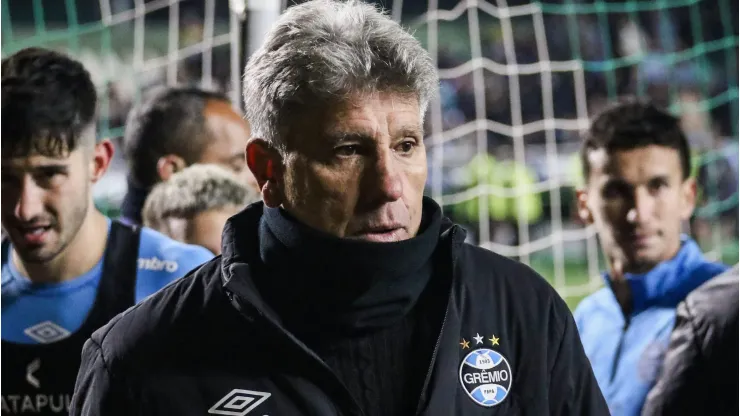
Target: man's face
{"points": [[359, 171], [637, 199], [230, 133], [44, 202], [203, 229]]}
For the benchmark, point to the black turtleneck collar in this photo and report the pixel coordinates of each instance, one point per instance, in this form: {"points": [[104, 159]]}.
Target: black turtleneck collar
{"points": [[313, 280]]}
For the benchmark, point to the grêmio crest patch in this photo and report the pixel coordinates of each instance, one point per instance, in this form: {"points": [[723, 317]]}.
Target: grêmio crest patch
{"points": [[485, 374]]}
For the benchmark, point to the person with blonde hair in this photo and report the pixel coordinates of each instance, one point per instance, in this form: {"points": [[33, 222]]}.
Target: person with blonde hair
{"points": [[194, 204]]}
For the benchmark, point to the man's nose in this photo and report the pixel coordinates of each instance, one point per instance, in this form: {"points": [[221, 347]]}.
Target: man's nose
{"points": [[30, 202], [386, 177], [642, 207]]}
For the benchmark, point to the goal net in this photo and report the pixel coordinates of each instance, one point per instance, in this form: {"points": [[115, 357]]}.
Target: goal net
{"points": [[130, 46], [519, 81]]}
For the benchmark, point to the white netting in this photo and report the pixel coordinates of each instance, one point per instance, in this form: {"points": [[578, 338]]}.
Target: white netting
{"points": [[131, 46], [517, 129], [530, 73]]}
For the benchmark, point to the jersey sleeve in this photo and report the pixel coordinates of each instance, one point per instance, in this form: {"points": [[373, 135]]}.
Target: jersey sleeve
{"points": [[163, 260]]}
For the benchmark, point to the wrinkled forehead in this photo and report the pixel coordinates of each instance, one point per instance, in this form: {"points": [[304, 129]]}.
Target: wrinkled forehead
{"points": [[374, 115], [635, 165]]}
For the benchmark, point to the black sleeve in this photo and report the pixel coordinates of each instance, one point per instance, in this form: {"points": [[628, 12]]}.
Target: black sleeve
{"points": [[680, 381], [573, 387], [96, 391]]}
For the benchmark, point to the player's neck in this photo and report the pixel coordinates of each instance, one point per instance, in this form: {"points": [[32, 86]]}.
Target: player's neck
{"points": [[79, 257]]}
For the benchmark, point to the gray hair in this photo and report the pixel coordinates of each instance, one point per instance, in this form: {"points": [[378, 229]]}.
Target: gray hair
{"points": [[193, 190], [324, 51]]}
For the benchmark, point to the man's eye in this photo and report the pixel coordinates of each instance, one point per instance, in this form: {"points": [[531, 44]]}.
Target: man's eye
{"points": [[238, 167], [348, 150], [406, 147], [657, 186], [614, 191]]}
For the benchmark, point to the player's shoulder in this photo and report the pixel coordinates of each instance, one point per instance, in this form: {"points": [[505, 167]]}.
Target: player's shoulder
{"points": [[709, 269], [601, 300], [174, 315], [160, 253]]}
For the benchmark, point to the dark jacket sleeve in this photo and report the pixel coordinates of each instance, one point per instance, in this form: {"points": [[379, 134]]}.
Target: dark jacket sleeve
{"points": [[573, 387], [96, 391], [680, 381]]}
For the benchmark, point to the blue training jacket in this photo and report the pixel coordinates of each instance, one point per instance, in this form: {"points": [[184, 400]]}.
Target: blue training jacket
{"points": [[626, 354]]}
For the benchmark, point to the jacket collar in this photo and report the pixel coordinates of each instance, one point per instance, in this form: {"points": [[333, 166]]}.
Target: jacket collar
{"points": [[240, 253], [669, 282]]}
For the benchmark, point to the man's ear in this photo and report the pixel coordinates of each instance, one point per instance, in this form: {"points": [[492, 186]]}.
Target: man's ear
{"points": [[101, 157], [266, 165], [688, 189], [168, 165], [584, 212]]}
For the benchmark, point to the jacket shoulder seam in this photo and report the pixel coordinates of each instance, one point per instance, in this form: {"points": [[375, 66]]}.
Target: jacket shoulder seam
{"points": [[101, 352]]}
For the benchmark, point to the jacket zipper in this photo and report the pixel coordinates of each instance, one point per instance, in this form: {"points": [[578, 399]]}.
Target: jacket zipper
{"points": [[620, 347], [428, 377]]}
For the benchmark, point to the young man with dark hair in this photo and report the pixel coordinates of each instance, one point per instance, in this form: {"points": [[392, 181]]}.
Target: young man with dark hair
{"points": [[66, 268], [638, 194], [177, 127]]}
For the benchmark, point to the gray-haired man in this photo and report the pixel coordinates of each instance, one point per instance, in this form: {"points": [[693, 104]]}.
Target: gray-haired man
{"points": [[346, 292]]}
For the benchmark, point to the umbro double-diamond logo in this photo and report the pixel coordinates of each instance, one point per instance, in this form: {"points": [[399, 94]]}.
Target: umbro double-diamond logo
{"points": [[239, 402]]}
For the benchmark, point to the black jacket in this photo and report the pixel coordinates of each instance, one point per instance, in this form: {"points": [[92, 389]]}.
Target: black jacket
{"points": [[700, 371], [208, 344]]}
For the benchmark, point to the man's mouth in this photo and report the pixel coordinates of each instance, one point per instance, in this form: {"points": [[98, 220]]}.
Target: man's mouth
{"points": [[35, 234], [381, 234], [641, 239]]}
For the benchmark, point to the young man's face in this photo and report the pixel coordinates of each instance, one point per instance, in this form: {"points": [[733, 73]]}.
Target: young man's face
{"points": [[638, 200], [203, 229], [45, 201], [230, 133], [358, 171]]}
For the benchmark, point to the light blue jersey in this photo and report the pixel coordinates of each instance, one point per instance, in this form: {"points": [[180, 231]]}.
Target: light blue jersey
{"points": [[61, 308], [626, 353]]}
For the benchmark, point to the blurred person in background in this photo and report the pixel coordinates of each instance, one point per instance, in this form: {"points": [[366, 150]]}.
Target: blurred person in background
{"points": [[66, 268], [177, 127], [194, 204], [699, 374], [345, 291], [638, 194], [505, 173]]}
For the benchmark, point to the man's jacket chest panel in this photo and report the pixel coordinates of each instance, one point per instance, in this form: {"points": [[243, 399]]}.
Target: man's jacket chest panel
{"points": [[281, 381], [481, 325]]}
